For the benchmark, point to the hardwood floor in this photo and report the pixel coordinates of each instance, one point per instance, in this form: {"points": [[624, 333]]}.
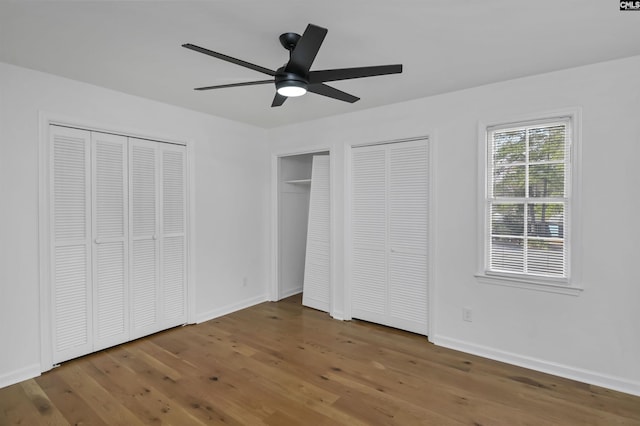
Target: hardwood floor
{"points": [[282, 364]]}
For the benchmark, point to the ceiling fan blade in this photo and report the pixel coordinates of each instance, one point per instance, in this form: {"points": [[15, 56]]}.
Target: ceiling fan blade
{"points": [[324, 90], [229, 59], [347, 73], [278, 100], [247, 83], [306, 49]]}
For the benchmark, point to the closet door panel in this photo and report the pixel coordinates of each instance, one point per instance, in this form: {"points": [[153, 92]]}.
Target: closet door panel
{"points": [[369, 198], [110, 239], [408, 234], [144, 220], [317, 275], [70, 204], [408, 292], [368, 224], [369, 286], [173, 235], [71, 315], [408, 197], [144, 288], [173, 281]]}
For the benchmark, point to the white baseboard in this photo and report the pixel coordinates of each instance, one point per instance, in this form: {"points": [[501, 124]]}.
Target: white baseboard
{"points": [[20, 375], [290, 292], [585, 376], [206, 316]]}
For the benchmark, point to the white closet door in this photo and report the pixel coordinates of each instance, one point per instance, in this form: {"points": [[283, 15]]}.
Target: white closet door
{"points": [[118, 239], [408, 198], [144, 245], [70, 203], [158, 236], [390, 234], [317, 285], [369, 228], [173, 247], [110, 239]]}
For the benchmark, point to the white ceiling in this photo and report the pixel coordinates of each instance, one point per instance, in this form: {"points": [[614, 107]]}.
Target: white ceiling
{"points": [[444, 45]]}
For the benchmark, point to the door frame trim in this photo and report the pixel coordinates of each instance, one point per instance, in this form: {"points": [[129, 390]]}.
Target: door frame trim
{"points": [[274, 285]]}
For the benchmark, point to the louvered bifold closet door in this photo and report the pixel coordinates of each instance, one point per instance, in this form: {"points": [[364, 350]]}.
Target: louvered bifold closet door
{"points": [[408, 205], [390, 222], [317, 284], [70, 204], [173, 227], [144, 180], [110, 239], [369, 230]]}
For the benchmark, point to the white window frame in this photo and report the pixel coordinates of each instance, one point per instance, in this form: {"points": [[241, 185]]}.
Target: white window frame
{"points": [[571, 283]]}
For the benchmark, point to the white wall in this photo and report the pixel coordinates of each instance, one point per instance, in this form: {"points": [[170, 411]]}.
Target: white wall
{"points": [[594, 337], [230, 196], [293, 204]]}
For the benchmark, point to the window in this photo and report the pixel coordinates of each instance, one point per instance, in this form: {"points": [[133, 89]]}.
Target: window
{"points": [[527, 202]]}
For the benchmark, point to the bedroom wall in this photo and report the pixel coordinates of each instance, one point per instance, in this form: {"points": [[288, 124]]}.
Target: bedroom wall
{"points": [[593, 337], [229, 193]]}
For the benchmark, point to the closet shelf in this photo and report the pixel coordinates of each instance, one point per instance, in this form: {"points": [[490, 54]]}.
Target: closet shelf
{"points": [[299, 182]]}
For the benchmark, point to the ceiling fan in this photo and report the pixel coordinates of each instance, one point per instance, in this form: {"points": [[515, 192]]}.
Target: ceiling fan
{"points": [[295, 78]]}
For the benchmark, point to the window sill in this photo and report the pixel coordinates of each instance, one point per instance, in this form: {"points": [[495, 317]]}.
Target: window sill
{"points": [[529, 284]]}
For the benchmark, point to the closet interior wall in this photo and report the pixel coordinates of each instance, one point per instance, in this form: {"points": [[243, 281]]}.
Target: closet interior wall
{"points": [[294, 183]]}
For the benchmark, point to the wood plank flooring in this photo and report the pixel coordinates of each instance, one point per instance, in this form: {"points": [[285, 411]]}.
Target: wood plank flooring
{"points": [[282, 364]]}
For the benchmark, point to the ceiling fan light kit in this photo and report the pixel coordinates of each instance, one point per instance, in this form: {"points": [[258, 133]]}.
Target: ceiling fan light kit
{"points": [[295, 78], [290, 85], [291, 89]]}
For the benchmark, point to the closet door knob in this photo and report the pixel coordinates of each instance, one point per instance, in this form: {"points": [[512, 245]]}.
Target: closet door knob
{"points": [[98, 241], [154, 237]]}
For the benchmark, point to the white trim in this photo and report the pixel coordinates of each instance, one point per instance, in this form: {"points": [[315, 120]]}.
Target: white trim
{"points": [[338, 315], [44, 238], [273, 282], [190, 217], [574, 234], [333, 238], [388, 142], [348, 233], [529, 284], [20, 375], [586, 376], [47, 119], [233, 307], [433, 238], [95, 126]]}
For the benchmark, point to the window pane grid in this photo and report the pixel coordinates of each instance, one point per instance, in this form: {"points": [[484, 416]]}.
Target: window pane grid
{"points": [[527, 200]]}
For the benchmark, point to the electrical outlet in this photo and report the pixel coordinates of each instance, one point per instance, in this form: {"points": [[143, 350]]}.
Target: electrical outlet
{"points": [[245, 280], [467, 314]]}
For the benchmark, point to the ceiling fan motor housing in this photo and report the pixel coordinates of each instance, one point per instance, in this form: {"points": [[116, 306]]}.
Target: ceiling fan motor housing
{"points": [[284, 76]]}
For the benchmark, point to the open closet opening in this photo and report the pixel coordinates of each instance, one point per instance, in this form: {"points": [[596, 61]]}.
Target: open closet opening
{"points": [[303, 264]]}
